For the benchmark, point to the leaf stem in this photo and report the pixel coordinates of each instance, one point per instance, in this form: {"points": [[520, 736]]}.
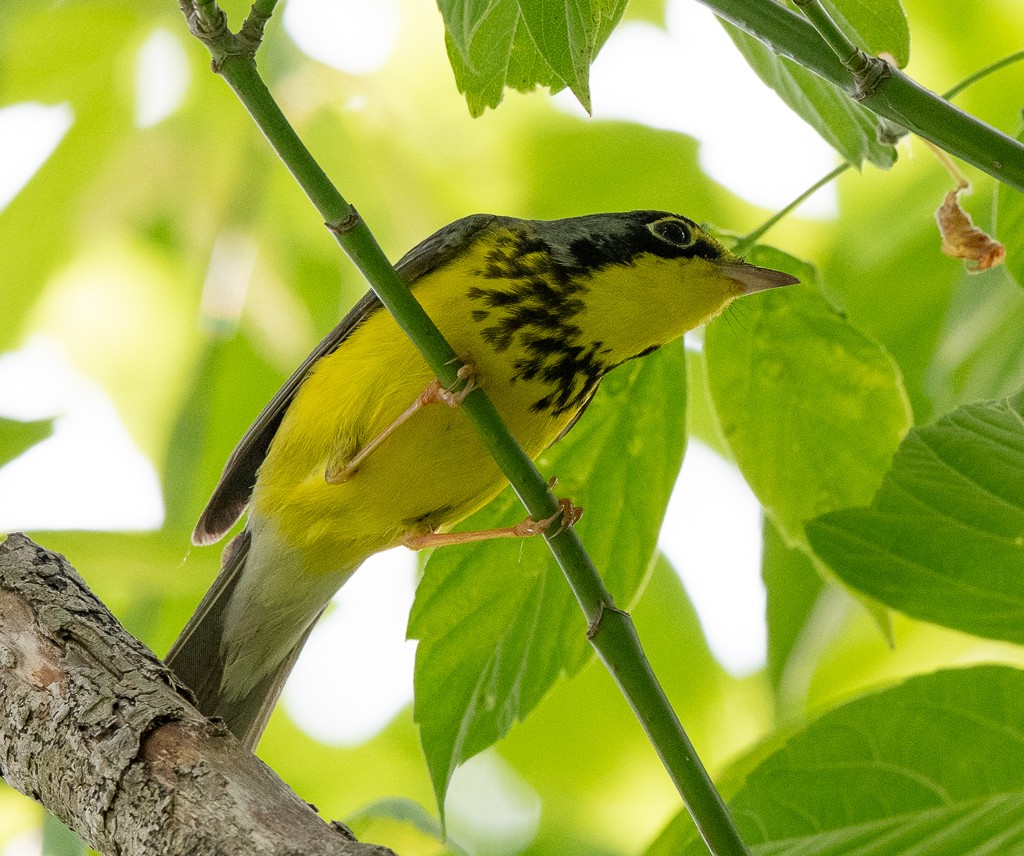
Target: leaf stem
{"points": [[612, 632], [982, 73], [751, 238], [849, 54]]}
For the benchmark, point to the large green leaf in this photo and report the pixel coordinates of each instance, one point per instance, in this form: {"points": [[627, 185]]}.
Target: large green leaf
{"points": [[1010, 227], [850, 129], [931, 766], [496, 621], [521, 44], [979, 355], [794, 587], [944, 538], [812, 409]]}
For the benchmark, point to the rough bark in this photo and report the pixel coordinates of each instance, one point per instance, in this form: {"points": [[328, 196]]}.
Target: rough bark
{"points": [[94, 727]]}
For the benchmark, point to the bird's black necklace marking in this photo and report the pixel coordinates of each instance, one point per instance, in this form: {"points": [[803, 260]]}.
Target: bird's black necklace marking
{"points": [[531, 306]]}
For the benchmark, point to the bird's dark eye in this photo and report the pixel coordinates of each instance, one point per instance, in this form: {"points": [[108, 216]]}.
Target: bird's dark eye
{"points": [[673, 231]]}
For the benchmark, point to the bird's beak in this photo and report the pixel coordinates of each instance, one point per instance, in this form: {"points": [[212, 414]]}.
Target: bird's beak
{"points": [[752, 278]]}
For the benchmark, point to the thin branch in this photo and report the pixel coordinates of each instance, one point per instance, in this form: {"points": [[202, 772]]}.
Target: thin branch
{"points": [[93, 726], [748, 240], [982, 73]]}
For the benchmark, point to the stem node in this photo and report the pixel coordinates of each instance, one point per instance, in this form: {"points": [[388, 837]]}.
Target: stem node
{"points": [[344, 225], [871, 74], [604, 607]]}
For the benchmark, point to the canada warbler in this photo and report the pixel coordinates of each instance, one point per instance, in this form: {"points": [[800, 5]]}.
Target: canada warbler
{"points": [[332, 472]]}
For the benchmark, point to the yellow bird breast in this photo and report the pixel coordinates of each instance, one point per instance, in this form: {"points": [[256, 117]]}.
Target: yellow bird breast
{"points": [[431, 473]]}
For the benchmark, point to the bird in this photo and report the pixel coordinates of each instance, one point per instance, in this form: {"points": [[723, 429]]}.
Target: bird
{"points": [[357, 452]]}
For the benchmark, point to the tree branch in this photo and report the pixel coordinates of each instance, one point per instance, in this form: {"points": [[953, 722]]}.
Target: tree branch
{"points": [[93, 726]]}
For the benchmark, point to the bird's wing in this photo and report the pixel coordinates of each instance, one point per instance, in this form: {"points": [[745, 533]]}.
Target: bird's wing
{"points": [[232, 493], [443, 246]]}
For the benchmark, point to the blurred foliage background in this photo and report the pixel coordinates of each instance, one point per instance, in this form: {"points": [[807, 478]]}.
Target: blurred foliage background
{"points": [[167, 263]]}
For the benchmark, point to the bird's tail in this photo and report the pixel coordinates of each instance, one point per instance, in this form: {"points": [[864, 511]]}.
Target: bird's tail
{"points": [[197, 656]]}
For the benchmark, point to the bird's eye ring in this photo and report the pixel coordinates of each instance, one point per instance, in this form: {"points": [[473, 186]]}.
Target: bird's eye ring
{"points": [[673, 231]]}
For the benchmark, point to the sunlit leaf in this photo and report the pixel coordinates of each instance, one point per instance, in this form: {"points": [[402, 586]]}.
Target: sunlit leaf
{"points": [[944, 538], [812, 409], [525, 43], [931, 766], [496, 621]]}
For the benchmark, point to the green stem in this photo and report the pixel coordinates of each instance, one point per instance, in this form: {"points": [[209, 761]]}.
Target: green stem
{"points": [[264, 8], [748, 240], [835, 38], [983, 73], [209, 13], [612, 632], [896, 97], [619, 647], [259, 14]]}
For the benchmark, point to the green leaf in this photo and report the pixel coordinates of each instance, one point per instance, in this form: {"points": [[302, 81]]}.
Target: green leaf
{"points": [[944, 538], [931, 766], [58, 840], [493, 44], [16, 437], [850, 129], [794, 587], [811, 408], [1010, 226], [563, 33], [492, 51], [401, 821], [876, 26], [701, 420], [496, 621]]}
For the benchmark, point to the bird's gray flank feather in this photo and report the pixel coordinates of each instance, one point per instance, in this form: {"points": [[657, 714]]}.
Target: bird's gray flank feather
{"points": [[195, 654], [197, 659]]}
